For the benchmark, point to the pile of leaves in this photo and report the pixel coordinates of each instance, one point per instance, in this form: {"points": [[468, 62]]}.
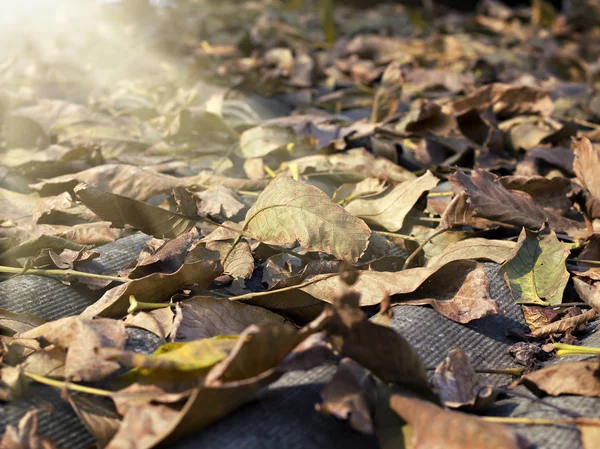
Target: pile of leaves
{"points": [[301, 170]]}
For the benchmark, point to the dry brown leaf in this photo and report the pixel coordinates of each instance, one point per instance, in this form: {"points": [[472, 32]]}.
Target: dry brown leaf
{"points": [[589, 293], [475, 248], [389, 208], [507, 100], [25, 436], [204, 317], [580, 378], [344, 397], [83, 338], [491, 200], [434, 427], [121, 211], [586, 167], [380, 349], [136, 182], [219, 200], [564, 325], [461, 296], [460, 386], [157, 287]]}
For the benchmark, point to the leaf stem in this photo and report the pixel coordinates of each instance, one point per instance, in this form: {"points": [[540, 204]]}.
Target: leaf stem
{"points": [[563, 349], [135, 305], [280, 290], [15, 270], [402, 236], [581, 421], [241, 192], [421, 246], [63, 384]]}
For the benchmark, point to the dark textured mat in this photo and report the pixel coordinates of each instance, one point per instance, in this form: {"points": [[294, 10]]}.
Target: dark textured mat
{"points": [[50, 299], [284, 415]]}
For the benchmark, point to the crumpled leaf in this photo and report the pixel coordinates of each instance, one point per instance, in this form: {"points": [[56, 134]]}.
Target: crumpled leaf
{"points": [[586, 166], [289, 211], [459, 385], [83, 338], [589, 293], [389, 208], [491, 200], [536, 272], [229, 384], [239, 262], [507, 100], [25, 436], [219, 200], [121, 211], [205, 317], [579, 378]]}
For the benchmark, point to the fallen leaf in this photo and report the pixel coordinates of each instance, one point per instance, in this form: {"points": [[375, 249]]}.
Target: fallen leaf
{"points": [[507, 100], [83, 338], [136, 182], [289, 211], [380, 349], [452, 430], [25, 436], [17, 323], [121, 211], [496, 251], [219, 200], [580, 378], [536, 272], [344, 398], [204, 317], [460, 386], [491, 200], [461, 296], [97, 414], [586, 166], [589, 293], [155, 287], [389, 208]]}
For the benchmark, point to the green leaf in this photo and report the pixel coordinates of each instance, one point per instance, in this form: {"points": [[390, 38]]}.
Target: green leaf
{"points": [[198, 355], [288, 211], [536, 272]]}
